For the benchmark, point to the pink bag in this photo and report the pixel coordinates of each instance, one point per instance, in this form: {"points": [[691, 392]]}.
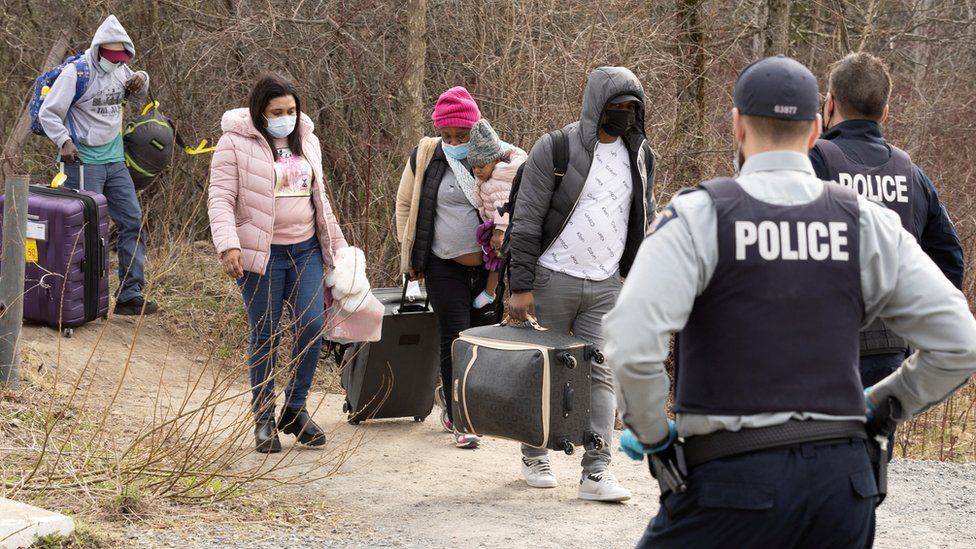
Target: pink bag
{"points": [[341, 326]]}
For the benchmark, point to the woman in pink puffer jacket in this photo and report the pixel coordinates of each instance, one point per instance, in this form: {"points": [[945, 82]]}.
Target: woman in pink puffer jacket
{"points": [[276, 234], [494, 164]]}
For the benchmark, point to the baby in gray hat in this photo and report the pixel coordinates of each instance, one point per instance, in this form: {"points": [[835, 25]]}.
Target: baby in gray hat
{"points": [[494, 164]]}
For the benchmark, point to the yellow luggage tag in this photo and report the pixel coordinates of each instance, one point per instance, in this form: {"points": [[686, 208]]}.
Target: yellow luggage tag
{"points": [[202, 148], [30, 251], [60, 178]]}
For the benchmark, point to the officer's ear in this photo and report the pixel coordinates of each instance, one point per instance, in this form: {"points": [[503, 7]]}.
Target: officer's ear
{"points": [[738, 127], [817, 131], [884, 115]]}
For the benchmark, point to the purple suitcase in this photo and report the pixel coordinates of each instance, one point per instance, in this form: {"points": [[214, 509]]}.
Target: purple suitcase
{"points": [[68, 286]]}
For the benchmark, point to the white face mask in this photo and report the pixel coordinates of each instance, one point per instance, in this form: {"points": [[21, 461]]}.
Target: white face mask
{"points": [[281, 126], [107, 65]]}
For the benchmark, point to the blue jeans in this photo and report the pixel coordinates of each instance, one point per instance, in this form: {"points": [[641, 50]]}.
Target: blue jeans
{"points": [[874, 368], [293, 278], [113, 181]]}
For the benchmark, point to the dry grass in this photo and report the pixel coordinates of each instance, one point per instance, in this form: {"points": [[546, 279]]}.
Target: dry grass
{"points": [[74, 440], [946, 432]]}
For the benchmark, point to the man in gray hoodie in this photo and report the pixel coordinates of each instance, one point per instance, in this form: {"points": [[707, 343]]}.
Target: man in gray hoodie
{"points": [[572, 237], [87, 133]]}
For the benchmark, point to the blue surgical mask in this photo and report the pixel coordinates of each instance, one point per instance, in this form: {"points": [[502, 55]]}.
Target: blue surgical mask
{"points": [[281, 126], [107, 65], [457, 152]]}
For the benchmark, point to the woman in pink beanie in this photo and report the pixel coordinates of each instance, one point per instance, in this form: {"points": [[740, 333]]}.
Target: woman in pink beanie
{"points": [[436, 224]]}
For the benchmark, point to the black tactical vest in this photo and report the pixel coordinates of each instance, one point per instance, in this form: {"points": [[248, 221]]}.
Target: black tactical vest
{"points": [[892, 184], [776, 328]]}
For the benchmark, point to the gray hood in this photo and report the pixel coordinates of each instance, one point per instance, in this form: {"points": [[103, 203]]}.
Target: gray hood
{"points": [[109, 31], [604, 84]]}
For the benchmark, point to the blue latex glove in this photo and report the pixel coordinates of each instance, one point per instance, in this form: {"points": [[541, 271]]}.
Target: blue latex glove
{"points": [[636, 450], [872, 409]]}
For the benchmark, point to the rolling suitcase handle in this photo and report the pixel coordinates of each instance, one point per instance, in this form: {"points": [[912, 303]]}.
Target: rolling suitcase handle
{"points": [[60, 177], [412, 307]]}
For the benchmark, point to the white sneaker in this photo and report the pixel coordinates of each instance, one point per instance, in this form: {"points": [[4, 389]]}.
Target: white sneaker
{"points": [[538, 473], [602, 486]]}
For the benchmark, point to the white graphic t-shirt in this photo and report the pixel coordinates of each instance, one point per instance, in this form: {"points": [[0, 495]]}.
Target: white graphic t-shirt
{"points": [[294, 213], [593, 240]]}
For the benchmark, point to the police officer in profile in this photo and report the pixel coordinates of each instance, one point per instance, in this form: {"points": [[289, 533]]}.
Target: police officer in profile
{"points": [[853, 152], [768, 278]]}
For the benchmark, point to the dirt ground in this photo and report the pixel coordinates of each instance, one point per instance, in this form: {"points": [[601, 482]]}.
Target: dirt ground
{"points": [[407, 486]]}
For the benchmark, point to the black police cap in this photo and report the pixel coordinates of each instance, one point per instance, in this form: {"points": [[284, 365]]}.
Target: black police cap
{"points": [[777, 87]]}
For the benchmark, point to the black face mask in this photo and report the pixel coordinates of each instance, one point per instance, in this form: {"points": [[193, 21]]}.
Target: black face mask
{"points": [[615, 123]]}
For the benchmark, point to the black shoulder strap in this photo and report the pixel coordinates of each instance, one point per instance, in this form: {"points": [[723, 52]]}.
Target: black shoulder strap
{"points": [[176, 135], [560, 157], [833, 155], [413, 160], [902, 159], [688, 190], [721, 188]]}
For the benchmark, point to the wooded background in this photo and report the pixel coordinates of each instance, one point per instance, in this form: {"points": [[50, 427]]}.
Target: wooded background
{"points": [[369, 72]]}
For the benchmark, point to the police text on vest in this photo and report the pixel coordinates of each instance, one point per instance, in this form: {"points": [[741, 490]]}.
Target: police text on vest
{"points": [[882, 188], [796, 241]]}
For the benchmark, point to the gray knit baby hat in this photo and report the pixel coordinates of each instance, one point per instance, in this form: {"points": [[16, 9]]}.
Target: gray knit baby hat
{"points": [[483, 145]]}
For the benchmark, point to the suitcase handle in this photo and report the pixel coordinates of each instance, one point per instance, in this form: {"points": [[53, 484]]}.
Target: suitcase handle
{"points": [[530, 322], [101, 257], [403, 299]]}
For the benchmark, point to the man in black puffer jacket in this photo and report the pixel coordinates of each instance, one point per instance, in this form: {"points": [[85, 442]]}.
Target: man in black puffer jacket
{"points": [[570, 244]]}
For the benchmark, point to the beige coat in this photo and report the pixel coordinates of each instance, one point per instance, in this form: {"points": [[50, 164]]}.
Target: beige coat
{"points": [[408, 199]]}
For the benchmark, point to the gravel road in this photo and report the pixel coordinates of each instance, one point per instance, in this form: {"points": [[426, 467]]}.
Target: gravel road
{"points": [[407, 487]]}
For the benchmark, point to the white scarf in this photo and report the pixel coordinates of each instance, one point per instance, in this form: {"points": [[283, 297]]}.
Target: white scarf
{"points": [[464, 177]]}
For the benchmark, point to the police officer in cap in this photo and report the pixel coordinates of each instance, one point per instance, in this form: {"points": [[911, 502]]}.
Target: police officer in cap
{"points": [[768, 278], [853, 153]]}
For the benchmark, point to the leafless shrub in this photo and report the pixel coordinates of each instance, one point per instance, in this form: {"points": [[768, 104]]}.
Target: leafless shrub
{"points": [[525, 61]]}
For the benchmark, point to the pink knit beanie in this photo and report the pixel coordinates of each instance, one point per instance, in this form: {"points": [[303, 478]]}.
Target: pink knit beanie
{"points": [[455, 108]]}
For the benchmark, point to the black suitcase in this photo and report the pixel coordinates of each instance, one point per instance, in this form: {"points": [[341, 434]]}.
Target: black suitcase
{"points": [[525, 384], [394, 377]]}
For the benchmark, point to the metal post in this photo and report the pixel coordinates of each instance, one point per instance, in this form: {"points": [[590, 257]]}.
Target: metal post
{"points": [[12, 278]]}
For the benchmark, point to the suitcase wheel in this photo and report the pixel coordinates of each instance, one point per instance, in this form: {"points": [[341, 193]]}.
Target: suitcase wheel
{"points": [[597, 356], [68, 332], [346, 408], [419, 419], [569, 360], [596, 440], [568, 447], [353, 421]]}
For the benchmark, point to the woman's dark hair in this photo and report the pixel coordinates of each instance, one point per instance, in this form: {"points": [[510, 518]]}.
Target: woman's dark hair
{"points": [[269, 87]]}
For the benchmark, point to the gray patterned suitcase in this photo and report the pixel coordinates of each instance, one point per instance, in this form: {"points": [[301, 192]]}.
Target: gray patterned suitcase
{"points": [[526, 384]]}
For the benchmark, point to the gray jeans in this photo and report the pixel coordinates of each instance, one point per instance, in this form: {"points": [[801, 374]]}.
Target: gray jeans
{"points": [[575, 306]]}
